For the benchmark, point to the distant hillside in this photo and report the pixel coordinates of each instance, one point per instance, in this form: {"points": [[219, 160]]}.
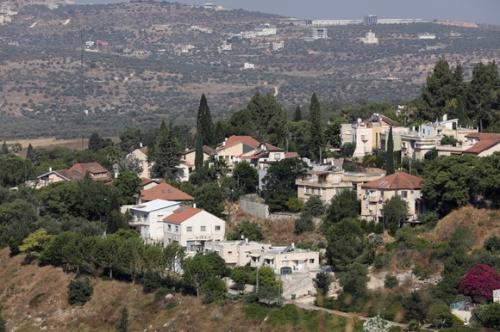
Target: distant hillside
{"points": [[144, 61]]}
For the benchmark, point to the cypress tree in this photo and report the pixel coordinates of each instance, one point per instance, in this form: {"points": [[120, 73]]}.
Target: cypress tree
{"points": [[166, 155], [204, 122], [316, 132], [298, 114], [389, 162], [123, 323], [5, 149], [198, 157]]}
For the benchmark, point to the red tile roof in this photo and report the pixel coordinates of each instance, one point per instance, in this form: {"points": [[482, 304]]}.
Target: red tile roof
{"points": [[78, 171], [247, 140], [166, 192], [396, 181], [146, 181], [482, 136], [290, 155], [482, 146], [272, 148], [181, 215]]}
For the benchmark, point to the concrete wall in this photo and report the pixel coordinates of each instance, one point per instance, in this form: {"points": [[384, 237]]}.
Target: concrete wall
{"points": [[259, 210]]}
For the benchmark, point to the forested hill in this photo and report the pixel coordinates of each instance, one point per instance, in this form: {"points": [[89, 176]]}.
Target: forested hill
{"points": [[149, 60]]}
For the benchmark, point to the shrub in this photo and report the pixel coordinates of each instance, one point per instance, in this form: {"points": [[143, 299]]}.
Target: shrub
{"points": [[79, 291], [294, 204], [151, 281], [123, 322], [492, 244], [247, 229], [480, 282], [439, 316], [390, 281], [213, 290], [488, 315], [304, 223], [314, 206], [322, 282]]}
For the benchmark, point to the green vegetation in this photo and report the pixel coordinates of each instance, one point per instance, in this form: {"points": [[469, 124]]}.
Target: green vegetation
{"points": [[123, 322], [79, 291], [248, 230]]}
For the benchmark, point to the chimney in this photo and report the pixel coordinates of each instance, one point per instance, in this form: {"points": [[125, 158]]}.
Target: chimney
{"points": [[194, 205], [50, 168], [140, 145], [445, 117], [293, 245], [246, 240]]}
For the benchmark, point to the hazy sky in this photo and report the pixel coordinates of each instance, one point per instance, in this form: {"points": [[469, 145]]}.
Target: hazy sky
{"points": [[479, 11]]}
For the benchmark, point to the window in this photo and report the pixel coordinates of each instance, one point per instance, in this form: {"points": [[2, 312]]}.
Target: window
{"points": [[169, 227], [311, 261], [176, 228], [217, 228], [189, 229], [203, 228], [404, 194]]}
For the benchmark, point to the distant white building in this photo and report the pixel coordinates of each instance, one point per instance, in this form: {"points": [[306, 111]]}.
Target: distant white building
{"points": [[248, 65], [279, 45], [192, 228], [225, 47], [141, 155], [370, 38], [148, 217], [427, 36], [319, 33]]}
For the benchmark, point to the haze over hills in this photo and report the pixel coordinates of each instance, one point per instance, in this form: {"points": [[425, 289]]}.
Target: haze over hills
{"points": [[149, 60]]}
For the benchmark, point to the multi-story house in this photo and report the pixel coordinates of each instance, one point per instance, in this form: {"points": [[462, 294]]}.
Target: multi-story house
{"points": [[141, 155], [148, 217], [192, 228], [376, 193], [232, 148], [327, 183]]}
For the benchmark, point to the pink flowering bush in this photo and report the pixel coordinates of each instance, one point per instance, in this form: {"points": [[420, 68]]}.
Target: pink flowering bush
{"points": [[480, 282]]}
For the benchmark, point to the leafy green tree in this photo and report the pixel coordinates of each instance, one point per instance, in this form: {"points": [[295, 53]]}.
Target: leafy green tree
{"points": [[314, 206], [353, 280], [297, 115], [246, 229], [389, 163], [242, 275], [488, 315], [174, 256], [390, 281], [96, 142], [210, 197], [123, 322], [213, 290], [267, 285], [343, 205], [454, 181], [449, 140], [13, 170], [415, 307], [166, 155], [346, 244], [395, 213], [198, 156], [440, 316], [347, 149], [322, 282], [439, 89], [201, 268], [127, 184], [492, 244], [79, 291], [269, 118], [35, 243], [483, 94], [299, 137], [246, 177], [294, 204], [316, 128], [205, 126], [304, 223], [332, 134], [279, 183]]}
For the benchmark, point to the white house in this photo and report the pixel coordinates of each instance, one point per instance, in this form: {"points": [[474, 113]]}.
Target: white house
{"points": [[148, 217], [236, 253], [192, 227]]}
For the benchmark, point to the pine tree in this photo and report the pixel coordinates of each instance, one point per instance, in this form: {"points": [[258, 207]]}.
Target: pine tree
{"points": [[204, 122], [198, 157], [482, 94], [389, 162], [5, 149], [123, 323], [166, 155], [316, 130], [298, 114]]}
